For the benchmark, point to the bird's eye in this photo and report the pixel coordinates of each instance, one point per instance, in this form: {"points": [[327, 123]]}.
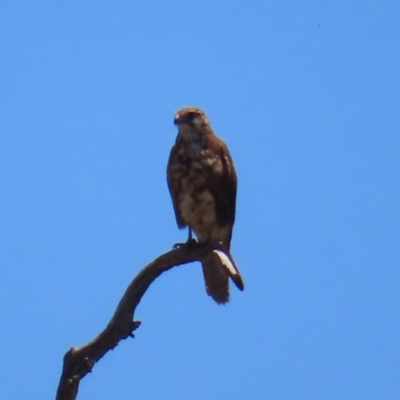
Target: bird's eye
{"points": [[192, 115]]}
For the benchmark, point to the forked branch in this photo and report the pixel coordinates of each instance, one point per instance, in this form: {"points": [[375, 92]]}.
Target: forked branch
{"points": [[79, 361]]}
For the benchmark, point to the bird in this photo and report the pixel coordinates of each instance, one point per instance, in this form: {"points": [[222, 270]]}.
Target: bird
{"points": [[202, 182]]}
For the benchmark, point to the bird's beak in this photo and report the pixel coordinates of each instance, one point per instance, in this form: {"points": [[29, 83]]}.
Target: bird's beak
{"points": [[177, 119]]}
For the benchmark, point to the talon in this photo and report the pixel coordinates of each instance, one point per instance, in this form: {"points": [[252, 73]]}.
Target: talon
{"points": [[189, 243]]}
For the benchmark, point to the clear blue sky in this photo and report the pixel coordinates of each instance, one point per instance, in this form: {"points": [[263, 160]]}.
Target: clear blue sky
{"points": [[307, 96]]}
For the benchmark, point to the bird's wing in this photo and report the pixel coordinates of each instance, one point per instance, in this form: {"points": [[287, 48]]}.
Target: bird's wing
{"points": [[222, 184], [174, 186]]}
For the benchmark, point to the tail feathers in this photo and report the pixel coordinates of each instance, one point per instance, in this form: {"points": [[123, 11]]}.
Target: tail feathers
{"points": [[216, 278], [217, 268], [231, 267]]}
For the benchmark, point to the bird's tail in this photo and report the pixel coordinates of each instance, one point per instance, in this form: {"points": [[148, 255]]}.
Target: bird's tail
{"points": [[218, 267]]}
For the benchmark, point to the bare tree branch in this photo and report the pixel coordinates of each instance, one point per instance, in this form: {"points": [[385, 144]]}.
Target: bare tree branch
{"points": [[79, 361]]}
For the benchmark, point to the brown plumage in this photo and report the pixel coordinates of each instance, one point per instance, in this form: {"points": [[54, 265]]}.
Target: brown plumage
{"points": [[202, 182]]}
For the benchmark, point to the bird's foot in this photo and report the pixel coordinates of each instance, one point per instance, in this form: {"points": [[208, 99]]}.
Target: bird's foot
{"points": [[189, 243]]}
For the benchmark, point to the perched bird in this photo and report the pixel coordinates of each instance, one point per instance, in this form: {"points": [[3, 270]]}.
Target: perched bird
{"points": [[202, 182]]}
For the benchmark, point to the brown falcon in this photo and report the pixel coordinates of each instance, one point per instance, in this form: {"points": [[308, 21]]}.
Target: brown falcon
{"points": [[202, 182]]}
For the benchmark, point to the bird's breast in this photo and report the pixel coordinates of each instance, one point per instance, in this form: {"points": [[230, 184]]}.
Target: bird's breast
{"points": [[196, 202]]}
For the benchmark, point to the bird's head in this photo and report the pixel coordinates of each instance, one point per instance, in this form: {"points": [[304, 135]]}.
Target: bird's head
{"points": [[192, 123]]}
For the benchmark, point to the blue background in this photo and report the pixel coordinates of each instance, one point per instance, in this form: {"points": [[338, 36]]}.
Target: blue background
{"points": [[307, 96]]}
